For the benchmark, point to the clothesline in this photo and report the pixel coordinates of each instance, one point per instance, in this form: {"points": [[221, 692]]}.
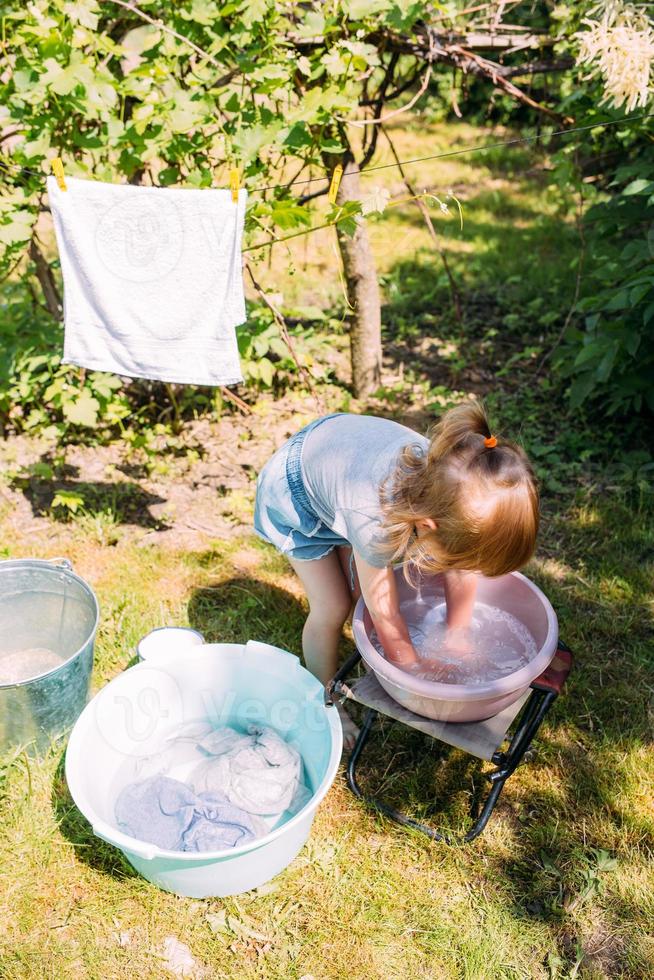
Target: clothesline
{"points": [[466, 149], [435, 156]]}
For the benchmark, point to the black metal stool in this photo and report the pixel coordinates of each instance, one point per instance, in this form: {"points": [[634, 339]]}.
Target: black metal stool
{"points": [[482, 739]]}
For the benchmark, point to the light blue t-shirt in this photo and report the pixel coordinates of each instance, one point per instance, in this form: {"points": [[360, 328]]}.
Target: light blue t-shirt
{"points": [[344, 462]]}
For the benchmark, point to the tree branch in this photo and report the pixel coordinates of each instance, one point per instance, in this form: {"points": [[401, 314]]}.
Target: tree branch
{"points": [[469, 61], [180, 37], [454, 289], [281, 323], [537, 68], [47, 281], [390, 96], [394, 112], [427, 45]]}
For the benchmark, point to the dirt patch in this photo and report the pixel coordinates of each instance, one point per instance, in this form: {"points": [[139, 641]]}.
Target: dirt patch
{"points": [[600, 947], [201, 488]]}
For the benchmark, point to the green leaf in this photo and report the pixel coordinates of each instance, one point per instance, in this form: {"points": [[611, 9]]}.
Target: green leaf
{"points": [[312, 24], [62, 79], [591, 352], [37, 148], [359, 9], [580, 390], [266, 371], [298, 136], [104, 385], [606, 364], [84, 12], [186, 113], [169, 175], [619, 301], [336, 61], [638, 292], [331, 146], [632, 342], [640, 186], [41, 470], [83, 411], [68, 499], [202, 12], [18, 229], [140, 39], [253, 11], [249, 140], [286, 214], [346, 216]]}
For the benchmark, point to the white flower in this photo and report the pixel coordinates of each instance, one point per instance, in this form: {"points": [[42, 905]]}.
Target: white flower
{"points": [[620, 48]]}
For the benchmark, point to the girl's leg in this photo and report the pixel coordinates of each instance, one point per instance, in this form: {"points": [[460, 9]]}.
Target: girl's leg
{"points": [[329, 606], [330, 603]]}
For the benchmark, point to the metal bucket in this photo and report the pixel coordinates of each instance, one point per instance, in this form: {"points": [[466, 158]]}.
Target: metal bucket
{"points": [[48, 620]]}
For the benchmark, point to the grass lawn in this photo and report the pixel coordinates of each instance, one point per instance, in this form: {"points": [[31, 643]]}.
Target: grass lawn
{"points": [[561, 883]]}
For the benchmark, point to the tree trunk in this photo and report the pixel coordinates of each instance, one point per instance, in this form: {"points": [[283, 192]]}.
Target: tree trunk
{"points": [[46, 281], [363, 294]]}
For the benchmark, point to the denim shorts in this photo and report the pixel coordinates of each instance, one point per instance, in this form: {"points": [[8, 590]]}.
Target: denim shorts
{"points": [[282, 511]]}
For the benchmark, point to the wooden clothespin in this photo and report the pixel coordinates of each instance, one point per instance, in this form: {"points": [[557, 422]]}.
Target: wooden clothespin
{"points": [[234, 183], [58, 170], [335, 184]]}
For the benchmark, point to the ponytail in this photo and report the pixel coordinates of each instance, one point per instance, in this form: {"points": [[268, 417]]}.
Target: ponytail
{"points": [[456, 427]]}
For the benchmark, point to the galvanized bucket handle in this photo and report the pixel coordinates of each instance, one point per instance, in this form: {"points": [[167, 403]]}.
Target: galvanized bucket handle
{"points": [[64, 563]]}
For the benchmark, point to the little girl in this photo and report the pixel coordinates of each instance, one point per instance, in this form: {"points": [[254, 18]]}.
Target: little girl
{"points": [[358, 492]]}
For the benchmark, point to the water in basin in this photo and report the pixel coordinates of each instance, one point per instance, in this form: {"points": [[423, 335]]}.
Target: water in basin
{"points": [[499, 644], [39, 630], [19, 665]]}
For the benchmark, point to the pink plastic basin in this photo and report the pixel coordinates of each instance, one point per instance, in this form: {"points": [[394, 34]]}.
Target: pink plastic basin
{"points": [[515, 594]]}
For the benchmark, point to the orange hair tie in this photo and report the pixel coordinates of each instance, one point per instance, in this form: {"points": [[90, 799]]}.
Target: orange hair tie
{"points": [[490, 442]]}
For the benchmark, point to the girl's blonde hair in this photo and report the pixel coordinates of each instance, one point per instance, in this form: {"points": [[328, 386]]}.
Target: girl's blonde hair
{"points": [[483, 498]]}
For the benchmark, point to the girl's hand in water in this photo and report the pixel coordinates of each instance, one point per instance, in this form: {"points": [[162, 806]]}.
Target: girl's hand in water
{"points": [[458, 641], [405, 658]]}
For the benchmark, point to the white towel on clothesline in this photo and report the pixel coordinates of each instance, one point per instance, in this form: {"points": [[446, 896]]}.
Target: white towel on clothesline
{"points": [[153, 280]]}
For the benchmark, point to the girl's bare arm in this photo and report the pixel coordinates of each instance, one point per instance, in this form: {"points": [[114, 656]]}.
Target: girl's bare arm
{"points": [[460, 593], [380, 596]]}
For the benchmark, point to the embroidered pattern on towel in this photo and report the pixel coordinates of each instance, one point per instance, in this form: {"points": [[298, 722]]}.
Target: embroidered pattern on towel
{"points": [[153, 282]]}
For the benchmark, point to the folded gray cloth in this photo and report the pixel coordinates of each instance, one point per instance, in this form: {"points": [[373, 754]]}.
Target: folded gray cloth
{"points": [[165, 812]]}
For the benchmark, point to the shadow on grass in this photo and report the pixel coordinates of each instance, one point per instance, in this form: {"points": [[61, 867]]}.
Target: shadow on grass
{"points": [[241, 608], [89, 849], [125, 503], [586, 793], [421, 777]]}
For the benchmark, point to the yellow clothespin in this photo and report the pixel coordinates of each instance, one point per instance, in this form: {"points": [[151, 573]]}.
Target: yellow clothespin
{"points": [[335, 184], [58, 170], [234, 183]]}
